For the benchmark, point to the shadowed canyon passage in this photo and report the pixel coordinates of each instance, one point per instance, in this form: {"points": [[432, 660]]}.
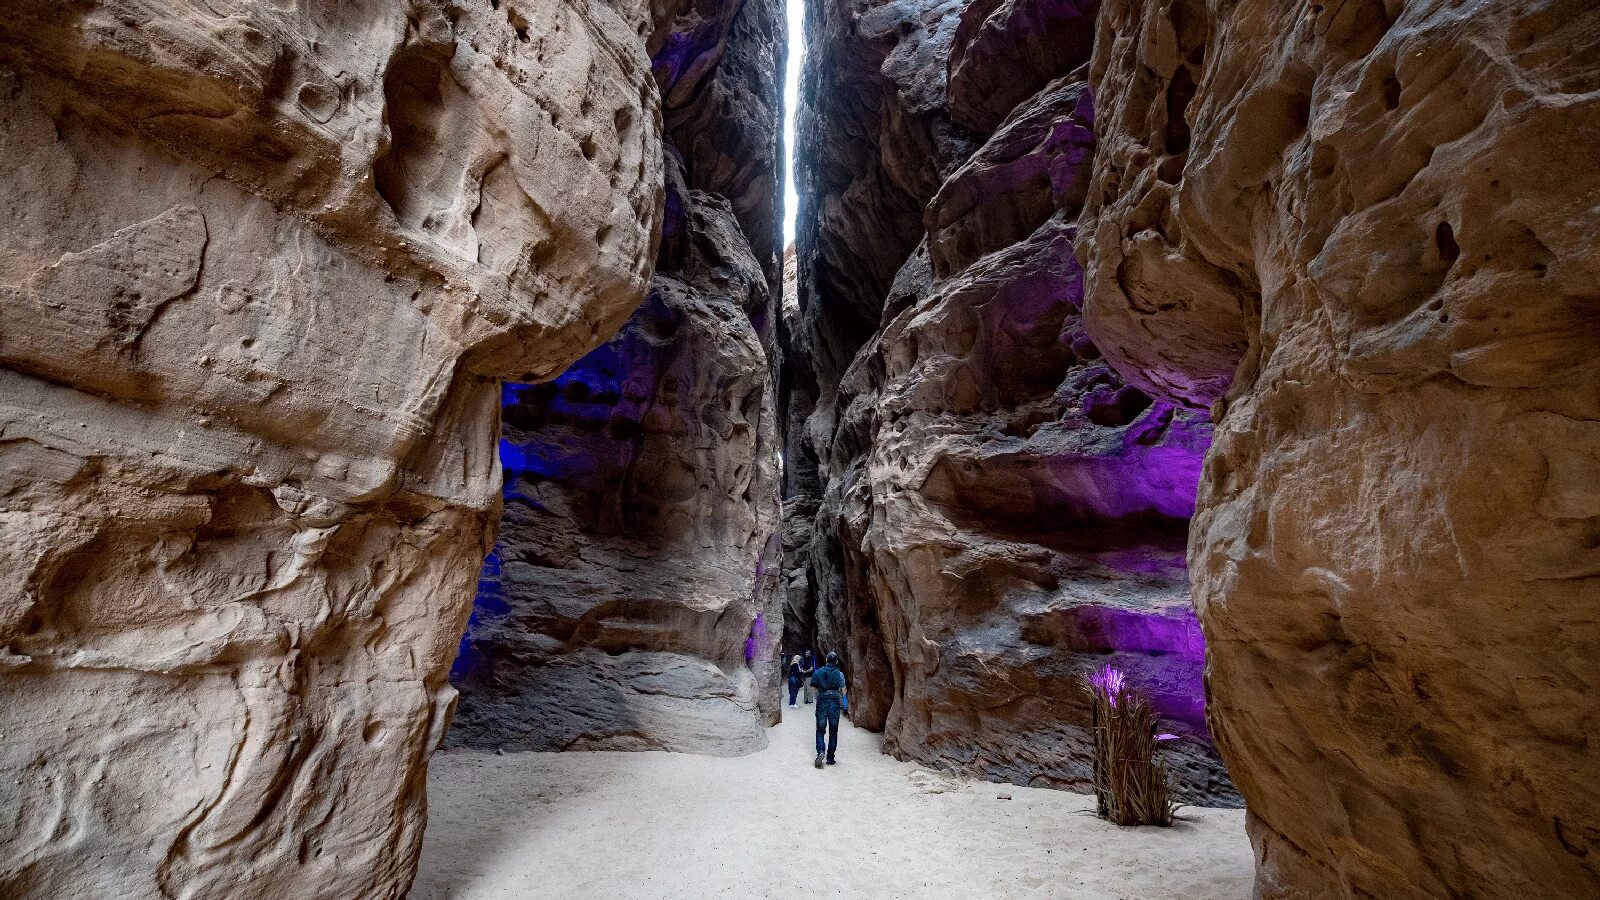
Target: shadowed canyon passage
{"points": [[1253, 347]]}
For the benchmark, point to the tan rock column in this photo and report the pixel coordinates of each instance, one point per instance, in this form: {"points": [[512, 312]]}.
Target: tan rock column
{"points": [[261, 269], [1376, 222]]}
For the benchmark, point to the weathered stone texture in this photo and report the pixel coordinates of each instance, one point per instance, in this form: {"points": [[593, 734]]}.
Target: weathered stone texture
{"points": [[261, 268], [1005, 51], [1027, 508], [874, 138], [1364, 233], [994, 510], [631, 600]]}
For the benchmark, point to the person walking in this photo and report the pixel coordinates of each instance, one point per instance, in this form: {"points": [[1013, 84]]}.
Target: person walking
{"points": [[831, 699], [807, 668], [794, 680]]}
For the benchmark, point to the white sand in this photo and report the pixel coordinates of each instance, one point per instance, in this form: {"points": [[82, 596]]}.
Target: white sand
{"points": [[667, 825]]}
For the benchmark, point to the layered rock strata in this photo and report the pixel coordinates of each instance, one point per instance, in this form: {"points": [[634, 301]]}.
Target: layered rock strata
{"points": [[1363, 234], [1028, 508], [995, 510], [631, 600], [263, 267]]}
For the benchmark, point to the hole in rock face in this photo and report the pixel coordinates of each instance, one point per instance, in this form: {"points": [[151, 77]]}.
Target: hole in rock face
{"points": [[1324, 159], [518, 24], [413, 90], [543, 253], [1179, 93], [1445, 237], [1391, 93], [1114, 410], [1170, 171]]}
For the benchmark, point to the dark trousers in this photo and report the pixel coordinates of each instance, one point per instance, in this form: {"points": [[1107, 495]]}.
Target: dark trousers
{"points": [[794, 689], [828, 722]]}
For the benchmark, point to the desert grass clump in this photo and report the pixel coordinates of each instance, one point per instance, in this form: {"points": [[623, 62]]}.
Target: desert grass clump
{"points": [[1130, 781]]}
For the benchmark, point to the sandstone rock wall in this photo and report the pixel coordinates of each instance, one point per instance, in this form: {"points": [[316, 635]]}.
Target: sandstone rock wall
{"points": [[993, 510], [263, 266], [631, 600], [1363, 234], [873, 138]]}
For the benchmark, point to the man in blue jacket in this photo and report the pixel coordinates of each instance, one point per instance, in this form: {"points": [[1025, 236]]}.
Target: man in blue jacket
{"points": [[831, 693]]}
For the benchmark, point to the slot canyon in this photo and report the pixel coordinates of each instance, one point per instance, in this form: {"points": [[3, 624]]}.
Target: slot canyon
{"points": [[432, 417]]}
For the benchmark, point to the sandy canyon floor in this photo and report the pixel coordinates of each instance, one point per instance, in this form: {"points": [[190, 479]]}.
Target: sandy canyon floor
{"points": [[668, 825]]}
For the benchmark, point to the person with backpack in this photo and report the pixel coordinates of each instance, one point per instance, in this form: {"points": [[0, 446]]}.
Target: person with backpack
{"points": [[831, 699]]}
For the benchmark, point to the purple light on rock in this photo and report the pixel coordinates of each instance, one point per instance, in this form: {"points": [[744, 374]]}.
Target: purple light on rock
{"points": [[680, 53], [1133, 481], [1185, 702], [1155, 562], [1108, 629], [758, 636], [1161, 653]]}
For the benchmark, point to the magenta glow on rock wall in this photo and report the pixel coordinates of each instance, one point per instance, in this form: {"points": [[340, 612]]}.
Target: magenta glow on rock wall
{"points": [[980, 510]]}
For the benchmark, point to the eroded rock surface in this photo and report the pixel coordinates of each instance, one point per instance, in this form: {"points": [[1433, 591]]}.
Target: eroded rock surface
{"points": [[994, 511], [1364, 233], [631, 600], [262, 268], [874, 137], [1006, 51]]}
